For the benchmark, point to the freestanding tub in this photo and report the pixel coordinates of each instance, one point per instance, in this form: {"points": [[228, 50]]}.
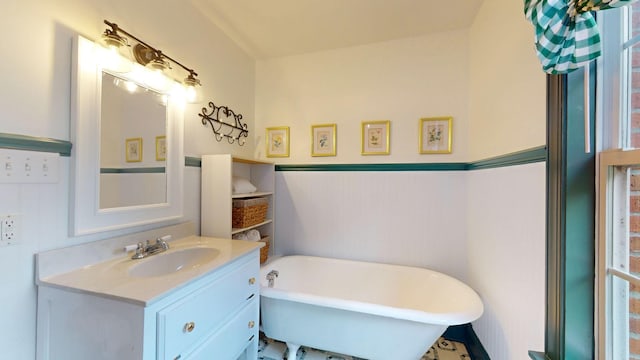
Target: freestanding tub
{"points": [[368, 310]]}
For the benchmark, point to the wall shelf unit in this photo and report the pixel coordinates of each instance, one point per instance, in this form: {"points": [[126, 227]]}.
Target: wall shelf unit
{"points": [[217, 194]]}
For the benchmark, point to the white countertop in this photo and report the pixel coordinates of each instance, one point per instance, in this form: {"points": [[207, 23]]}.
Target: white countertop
{"points": [[110, 278]]}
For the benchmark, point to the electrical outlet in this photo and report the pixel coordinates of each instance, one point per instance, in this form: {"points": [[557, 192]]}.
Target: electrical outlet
{"points": [[9, 230], [8, 223], [9, 237]]}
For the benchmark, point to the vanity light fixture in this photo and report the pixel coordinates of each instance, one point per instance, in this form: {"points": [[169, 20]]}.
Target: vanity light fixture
{"points": [[112, 39], [190, 82], [146, 55]]}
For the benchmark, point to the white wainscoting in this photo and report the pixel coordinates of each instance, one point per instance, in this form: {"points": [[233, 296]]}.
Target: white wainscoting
{"points": [[411, 218], [485, 227], [506, 232]]}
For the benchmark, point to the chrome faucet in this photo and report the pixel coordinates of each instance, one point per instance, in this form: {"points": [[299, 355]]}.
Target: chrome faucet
{"points": [[148, 249], [271, 276]]}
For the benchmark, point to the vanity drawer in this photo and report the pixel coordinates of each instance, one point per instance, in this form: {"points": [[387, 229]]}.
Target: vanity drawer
{"points": [[229, 342], [186, 322]]}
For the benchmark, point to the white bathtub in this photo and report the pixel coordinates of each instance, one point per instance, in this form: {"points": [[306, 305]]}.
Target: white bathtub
{"points": [[369, 310]]}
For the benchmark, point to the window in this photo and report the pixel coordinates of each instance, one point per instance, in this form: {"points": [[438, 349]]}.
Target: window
{"points": [[618, 256], [618, 259]]}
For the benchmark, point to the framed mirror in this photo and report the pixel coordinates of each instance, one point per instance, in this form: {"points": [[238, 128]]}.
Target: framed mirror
{"points": [[127, 157], [133, 123]]}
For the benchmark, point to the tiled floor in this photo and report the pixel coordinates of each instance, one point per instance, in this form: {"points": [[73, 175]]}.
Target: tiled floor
{"points": [[443, 349]]}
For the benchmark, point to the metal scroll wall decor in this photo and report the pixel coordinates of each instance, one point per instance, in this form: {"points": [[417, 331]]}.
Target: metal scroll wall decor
{"points": [[234, 132]]}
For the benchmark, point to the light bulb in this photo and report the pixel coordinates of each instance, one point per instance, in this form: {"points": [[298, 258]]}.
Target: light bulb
{"points": [[191, 94], [131, 86], [190, 83], [111, 59], [156, 80]]}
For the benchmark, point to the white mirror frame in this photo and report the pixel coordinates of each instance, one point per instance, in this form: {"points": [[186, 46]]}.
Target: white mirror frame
{"points": [[86, 217]]}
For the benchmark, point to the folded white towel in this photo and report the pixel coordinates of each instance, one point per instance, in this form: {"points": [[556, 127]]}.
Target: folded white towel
{"points": [[241, 185], [253, 235], [240, 236]]}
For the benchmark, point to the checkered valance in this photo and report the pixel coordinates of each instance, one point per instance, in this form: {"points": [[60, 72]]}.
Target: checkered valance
{"points": [[567, 35]]}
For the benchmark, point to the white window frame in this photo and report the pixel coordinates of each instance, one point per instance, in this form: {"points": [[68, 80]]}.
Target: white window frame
{"points": [[612, 262], [613, 177]]}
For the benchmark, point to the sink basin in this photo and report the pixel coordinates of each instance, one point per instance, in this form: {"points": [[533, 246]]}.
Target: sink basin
{"points": [[173, 261]]}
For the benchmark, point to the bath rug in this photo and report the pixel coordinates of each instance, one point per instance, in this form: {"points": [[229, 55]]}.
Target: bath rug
{"points": [[443, 349]]}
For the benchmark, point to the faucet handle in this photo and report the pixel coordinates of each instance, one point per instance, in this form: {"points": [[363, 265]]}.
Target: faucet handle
{"points": [[140, 249], [162, 241], [163, 238], [130, 247]]}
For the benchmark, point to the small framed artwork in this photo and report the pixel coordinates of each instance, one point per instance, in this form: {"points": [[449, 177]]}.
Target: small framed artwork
{"points": [[323, 140], [161, 148], [435, 135], [133, 149], [278, 141], [375, 137]]}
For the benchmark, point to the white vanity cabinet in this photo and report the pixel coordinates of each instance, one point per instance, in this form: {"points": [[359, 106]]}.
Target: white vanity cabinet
{"points": [[203, 317], [215, 316]]}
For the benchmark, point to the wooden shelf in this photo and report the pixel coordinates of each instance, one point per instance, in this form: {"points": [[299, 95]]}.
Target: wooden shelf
{"points": [[250, 161], [239, 230], [250, 195], [217, 197]]}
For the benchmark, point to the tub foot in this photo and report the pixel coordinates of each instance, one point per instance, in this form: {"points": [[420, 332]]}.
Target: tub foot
{"points": [[293, 350]]}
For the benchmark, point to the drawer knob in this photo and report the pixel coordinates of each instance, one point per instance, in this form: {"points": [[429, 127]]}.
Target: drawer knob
{"points": [[252, 281], [251, 324], [188, 327]]}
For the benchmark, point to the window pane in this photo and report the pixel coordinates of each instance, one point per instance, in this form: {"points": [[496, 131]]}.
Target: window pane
{"points": [[625, 345], [631, 115]]}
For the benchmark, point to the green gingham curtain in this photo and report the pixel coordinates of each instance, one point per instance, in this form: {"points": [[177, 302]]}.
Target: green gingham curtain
{"points": [[566, 33]]}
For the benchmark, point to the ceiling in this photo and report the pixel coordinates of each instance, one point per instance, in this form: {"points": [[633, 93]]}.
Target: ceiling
{"points": [[275, 28]]}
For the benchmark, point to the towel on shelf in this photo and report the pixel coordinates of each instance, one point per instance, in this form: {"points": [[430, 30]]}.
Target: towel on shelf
{"points": [[249, 235], [241, 185], [253, 235], [240, 236]]}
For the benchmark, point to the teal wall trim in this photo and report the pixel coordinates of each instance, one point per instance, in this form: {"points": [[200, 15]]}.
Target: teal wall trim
{"points": [[33, 143], [538, 154], [375, 167], [137, 170], [63, 147], [192, 161]]}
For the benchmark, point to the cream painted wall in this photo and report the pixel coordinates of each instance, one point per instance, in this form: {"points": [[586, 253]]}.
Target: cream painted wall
{"points": [[402, 81], [493, 86], [507, 86], [35, 100], [36, 62]]}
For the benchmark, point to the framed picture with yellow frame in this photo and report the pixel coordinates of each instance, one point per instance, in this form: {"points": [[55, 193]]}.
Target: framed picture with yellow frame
{"points": [[161, 148], [436, 135], [133, 149], [375, 137], [277, 140], [323, 140]]}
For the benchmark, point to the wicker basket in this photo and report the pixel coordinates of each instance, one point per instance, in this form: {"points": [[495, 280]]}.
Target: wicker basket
{"points": [[248, 212], [264, 251]]}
